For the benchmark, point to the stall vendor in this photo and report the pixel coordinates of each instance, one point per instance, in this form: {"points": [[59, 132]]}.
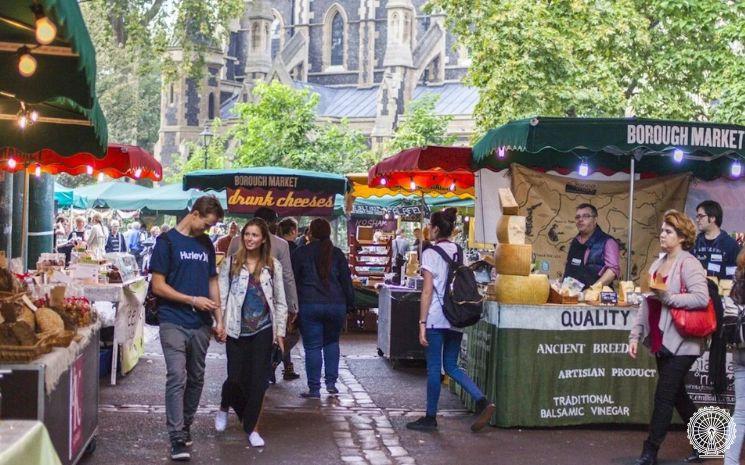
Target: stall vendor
{"points": [[714, 248], [593, 254]]}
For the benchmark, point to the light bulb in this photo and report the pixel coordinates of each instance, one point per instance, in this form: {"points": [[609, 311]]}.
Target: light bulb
{"points": [[383, 181], [138, 173], [12, 163], [736, 169], [34, 115], [501, 152], [386, 216], [452, 186], [584, 170], [100, 177], [37, 170], [678, 155], [46, 31], [26, 63], [412, 185], [466, 219], [22, 121], [89, 170]]}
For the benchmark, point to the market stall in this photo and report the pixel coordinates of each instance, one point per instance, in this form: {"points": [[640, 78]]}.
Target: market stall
{"points": [[574, 359], [416, 172]]}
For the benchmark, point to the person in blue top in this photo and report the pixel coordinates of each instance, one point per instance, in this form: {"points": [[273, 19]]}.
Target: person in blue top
{"points": [[184, 278], [714, 248]]}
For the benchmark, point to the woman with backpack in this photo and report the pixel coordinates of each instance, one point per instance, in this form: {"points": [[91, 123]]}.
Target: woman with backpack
{"points": [[685, 287], [735, 304], [325, 293], [436, 334], [255, 312]]}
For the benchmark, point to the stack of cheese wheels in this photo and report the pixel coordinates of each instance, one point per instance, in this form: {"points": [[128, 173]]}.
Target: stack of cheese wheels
{"points": [[513, 259]]}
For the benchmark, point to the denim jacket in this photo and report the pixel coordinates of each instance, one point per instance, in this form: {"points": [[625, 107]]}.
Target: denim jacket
{"points": [[232, 295]]}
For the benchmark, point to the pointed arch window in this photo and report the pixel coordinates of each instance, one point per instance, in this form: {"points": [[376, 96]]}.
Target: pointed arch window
{"points": [[337, 40], [211, 107], [276, 36]]}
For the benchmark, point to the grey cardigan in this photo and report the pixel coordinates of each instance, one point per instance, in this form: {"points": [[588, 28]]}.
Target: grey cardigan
{"points": [[696, 296]]}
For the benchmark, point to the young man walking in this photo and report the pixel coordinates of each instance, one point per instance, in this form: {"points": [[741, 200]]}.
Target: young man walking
{"points": [[184, 277]]}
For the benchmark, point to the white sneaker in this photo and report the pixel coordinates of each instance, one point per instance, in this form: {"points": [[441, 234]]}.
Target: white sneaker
{"points": [[255, 440], [221, 420]]}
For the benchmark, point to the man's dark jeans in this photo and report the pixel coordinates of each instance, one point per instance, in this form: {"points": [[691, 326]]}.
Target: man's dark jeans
{"points": [[670, 392]]}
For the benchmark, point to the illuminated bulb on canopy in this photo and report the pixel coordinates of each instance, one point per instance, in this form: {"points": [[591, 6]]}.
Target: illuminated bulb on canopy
{"points": [[37, 170], [386, 216], [89, 170], [678, 155], [138, 173], [412, 185], [12, 163], [22, 121], [26, 62], [46, 30], [584, 169], [736, 169], [100, 177], [501, 152], [34, 115], [383, 181], [452, 186]]}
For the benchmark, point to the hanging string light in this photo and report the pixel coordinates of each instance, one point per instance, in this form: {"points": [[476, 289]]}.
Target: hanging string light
{"points": [[736, 169], [12, 163], [46, 30], [89, 170], [26, 62], [584, 168], [138, 173], [100, 177], [678, 155], [452, 186], [412, 185], [37, 170], [501, 151], [383, 181]]}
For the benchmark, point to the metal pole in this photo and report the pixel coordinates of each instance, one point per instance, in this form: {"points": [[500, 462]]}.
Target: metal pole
{"points": [[629, 236], [24, 221]]}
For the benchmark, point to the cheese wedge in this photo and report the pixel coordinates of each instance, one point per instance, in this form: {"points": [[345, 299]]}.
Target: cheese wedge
{"points": [[511, 229], [508, 202]]}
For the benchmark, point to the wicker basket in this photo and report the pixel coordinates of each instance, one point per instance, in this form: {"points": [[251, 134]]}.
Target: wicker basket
{"points": [[58, 339], [24, 354]]}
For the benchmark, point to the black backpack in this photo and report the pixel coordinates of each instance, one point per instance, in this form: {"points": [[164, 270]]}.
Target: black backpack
{"points": [[463, 304]]}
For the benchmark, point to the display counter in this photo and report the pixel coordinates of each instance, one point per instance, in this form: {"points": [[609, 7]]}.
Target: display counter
{"points": [[128, 299], [24, 442], [59, 389], [562, 365], [398, 323]]}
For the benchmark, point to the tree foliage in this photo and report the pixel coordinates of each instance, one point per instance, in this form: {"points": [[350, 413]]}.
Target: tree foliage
{"points": [[680, 59], [420, 126], [201, 157], [280, 129]]}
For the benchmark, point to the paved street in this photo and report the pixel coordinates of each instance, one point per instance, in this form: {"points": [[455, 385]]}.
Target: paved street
{"points": [[365, 424]]}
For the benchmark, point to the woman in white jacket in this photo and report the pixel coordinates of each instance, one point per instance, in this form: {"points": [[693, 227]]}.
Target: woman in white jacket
{"points": [[255, 312]]}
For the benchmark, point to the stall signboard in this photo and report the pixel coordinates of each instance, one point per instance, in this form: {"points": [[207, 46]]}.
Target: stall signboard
{"points": [[77, 406], [360, 209], [575, 363], [286, 202]]}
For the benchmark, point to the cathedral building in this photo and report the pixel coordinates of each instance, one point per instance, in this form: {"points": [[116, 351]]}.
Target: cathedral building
{"points": [[365, 58]]}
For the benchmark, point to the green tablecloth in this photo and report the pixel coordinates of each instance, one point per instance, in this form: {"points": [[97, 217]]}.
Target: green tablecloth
{"points": [[24, 442], [561, 365]]}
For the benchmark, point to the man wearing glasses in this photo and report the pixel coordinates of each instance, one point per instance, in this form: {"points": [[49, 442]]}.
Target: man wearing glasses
{"points": [[593, 254], [714, 248]]}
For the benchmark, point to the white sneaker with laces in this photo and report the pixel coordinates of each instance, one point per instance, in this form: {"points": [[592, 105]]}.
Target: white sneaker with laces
{"points": [[255, 440], [221, 420]]}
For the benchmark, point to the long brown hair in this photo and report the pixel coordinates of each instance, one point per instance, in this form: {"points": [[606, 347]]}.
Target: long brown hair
{"points": [[320, 230], [738, 287], [240, 258]]}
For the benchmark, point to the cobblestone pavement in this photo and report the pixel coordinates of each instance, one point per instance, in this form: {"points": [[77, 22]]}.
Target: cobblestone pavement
{"points": [[363, 424]]}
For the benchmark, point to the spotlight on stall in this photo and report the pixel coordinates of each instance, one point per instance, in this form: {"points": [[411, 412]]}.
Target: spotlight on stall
{"points": [[678, 155], [452, 186], [138, 173], [37, 170], [584, 169], [383, 181], [736, 169], [100, 177], [412, 185], [12, 163], [89, 170]]}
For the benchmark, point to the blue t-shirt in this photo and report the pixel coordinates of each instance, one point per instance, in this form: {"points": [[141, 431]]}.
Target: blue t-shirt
{"points": [[718, 255], [187, 264], [255, 314]]}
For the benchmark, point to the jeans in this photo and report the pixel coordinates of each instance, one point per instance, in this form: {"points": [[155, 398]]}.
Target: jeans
{"points": [[670, 392], [320, 326], [732, 455], [184, 351], [443, 350], [249, 365]]}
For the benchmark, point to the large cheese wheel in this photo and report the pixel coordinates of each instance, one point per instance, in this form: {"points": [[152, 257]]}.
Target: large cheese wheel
{"points": [[515, 259], [511, 229], [528, 290]]}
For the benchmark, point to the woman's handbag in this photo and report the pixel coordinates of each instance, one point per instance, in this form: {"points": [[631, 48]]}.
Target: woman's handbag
{"points": [[696, 322], [277, 355]]}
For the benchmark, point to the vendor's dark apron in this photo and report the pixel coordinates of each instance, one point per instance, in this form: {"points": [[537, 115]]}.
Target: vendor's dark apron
{"points": [[575, 268]]}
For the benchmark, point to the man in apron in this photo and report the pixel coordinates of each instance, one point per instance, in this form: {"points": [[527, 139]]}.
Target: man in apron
{"points": [[593, 255]]}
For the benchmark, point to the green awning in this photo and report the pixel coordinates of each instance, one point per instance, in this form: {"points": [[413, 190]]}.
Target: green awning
{"points": [[103, 194], [63, 88], [709, 149], [167, 199], [299, 179], [62, 195]]}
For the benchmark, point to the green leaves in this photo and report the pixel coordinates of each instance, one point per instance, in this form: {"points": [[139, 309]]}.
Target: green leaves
{"points": [[420, 126], [654, 58]]}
